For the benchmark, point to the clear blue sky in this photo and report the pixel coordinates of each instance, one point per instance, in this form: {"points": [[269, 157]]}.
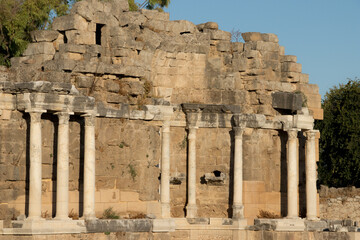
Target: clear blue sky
{"points": [[323, 34]]}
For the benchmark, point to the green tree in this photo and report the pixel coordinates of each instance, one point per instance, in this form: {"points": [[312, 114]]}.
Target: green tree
{"points": [[339, 164], [19, 17], [149, 4]]}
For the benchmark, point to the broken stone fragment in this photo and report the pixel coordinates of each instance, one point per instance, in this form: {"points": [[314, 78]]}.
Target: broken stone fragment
{"points": [[70, 22], [211, 25], [44, 35], [39, 48]]}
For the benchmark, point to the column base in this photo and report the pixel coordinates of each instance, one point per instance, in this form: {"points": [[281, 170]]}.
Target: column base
{"points": [[191, 211], [164, 225], [237, 212], [282, 225], [30, 227], [62, 218]]}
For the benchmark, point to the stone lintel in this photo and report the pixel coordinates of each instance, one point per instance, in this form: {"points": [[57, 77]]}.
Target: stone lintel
{"points": [[303, 122], [56, 103], [210, 108], [287, 101], [249, 120]]}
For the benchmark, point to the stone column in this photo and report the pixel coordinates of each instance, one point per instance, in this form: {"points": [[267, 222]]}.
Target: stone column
{"points": [[62, 178], [310, 168], [35, 165], [165, 169], [89, 167], [238, 207], [292, 174], [191, 208]]}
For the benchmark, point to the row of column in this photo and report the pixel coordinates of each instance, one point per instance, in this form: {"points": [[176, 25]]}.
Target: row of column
{"points": [[238, 207], [62, 181]]}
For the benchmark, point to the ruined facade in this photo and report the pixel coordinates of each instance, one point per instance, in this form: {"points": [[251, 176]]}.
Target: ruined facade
{"points": [[158, 118]]}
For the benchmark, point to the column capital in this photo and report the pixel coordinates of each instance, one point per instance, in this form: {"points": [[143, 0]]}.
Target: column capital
{"points": [[239, 131], [293, 133], [64, 117], [35, 115], [192, 119], [89, 119], [311, 134]]}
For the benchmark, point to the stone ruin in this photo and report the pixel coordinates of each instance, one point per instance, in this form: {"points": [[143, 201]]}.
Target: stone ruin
{"points": [[164, 120]]}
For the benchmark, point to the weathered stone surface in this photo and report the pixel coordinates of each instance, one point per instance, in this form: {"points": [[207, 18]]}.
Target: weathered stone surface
{"points": [[121, 225], [44, 35], [290, 101], [70, 22], [39, 48]]}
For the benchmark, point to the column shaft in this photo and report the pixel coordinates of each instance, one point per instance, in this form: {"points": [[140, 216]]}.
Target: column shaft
{"points": [[165, 170], [89, 168], [310, 168], [62, 179], [292, 174], [35, 166], [238, 207], [191, 208]]}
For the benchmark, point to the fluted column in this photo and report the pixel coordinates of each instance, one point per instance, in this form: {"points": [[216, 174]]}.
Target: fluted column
{"points": [[238, 207], [292, 174], [89, 167], [62, 178], [310, 168], [165, 169], [35, 165], [191, 208]]}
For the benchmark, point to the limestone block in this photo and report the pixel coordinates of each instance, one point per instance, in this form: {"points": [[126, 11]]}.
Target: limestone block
{"points": [[218, 34], [105, 18], [84, 9], [237, 46], [282, 50], [70, 22], [317, 113], [269, 37], [84, 81], [116, 7], [223, 46], [8, 101], [291, 67], [288, 58], [304, 78], [308, 88], [40, 48], [44, 35], [211, 25], [303, 122], [283, 100], [115, 98], [180, 27], [80, 37], [112, 86], [251, 36], [313, 100], [266, 46], [154, 14]]}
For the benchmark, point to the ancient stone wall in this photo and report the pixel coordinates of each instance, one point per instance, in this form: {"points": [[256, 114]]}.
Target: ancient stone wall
{"points": [[339, 203], [123, 63]]}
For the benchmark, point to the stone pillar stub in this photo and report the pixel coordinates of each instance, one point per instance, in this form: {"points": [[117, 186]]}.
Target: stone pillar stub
{"points": [[165, 168], [292, 173], [192, 119], [62, 180], [310, 169], [89, 167], [35, 177]]}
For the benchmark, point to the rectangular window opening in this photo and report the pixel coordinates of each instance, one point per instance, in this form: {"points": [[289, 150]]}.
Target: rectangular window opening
{"points": [[98, 33]]}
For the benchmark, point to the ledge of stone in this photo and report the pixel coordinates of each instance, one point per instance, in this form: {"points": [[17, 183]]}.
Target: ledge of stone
{"points": [[119, 225]]}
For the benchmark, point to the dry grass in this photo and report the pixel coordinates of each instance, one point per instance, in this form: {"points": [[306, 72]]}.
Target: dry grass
{"points": [[73, 215], [267, 214]]}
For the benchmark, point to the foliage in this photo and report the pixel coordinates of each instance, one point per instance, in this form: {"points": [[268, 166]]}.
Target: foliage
{"points": [[109, 213], [19, 17], [149, 4], [339, 164]]}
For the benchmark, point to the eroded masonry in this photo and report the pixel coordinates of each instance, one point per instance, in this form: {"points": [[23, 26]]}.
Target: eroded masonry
{"points": [[162, 119]]}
